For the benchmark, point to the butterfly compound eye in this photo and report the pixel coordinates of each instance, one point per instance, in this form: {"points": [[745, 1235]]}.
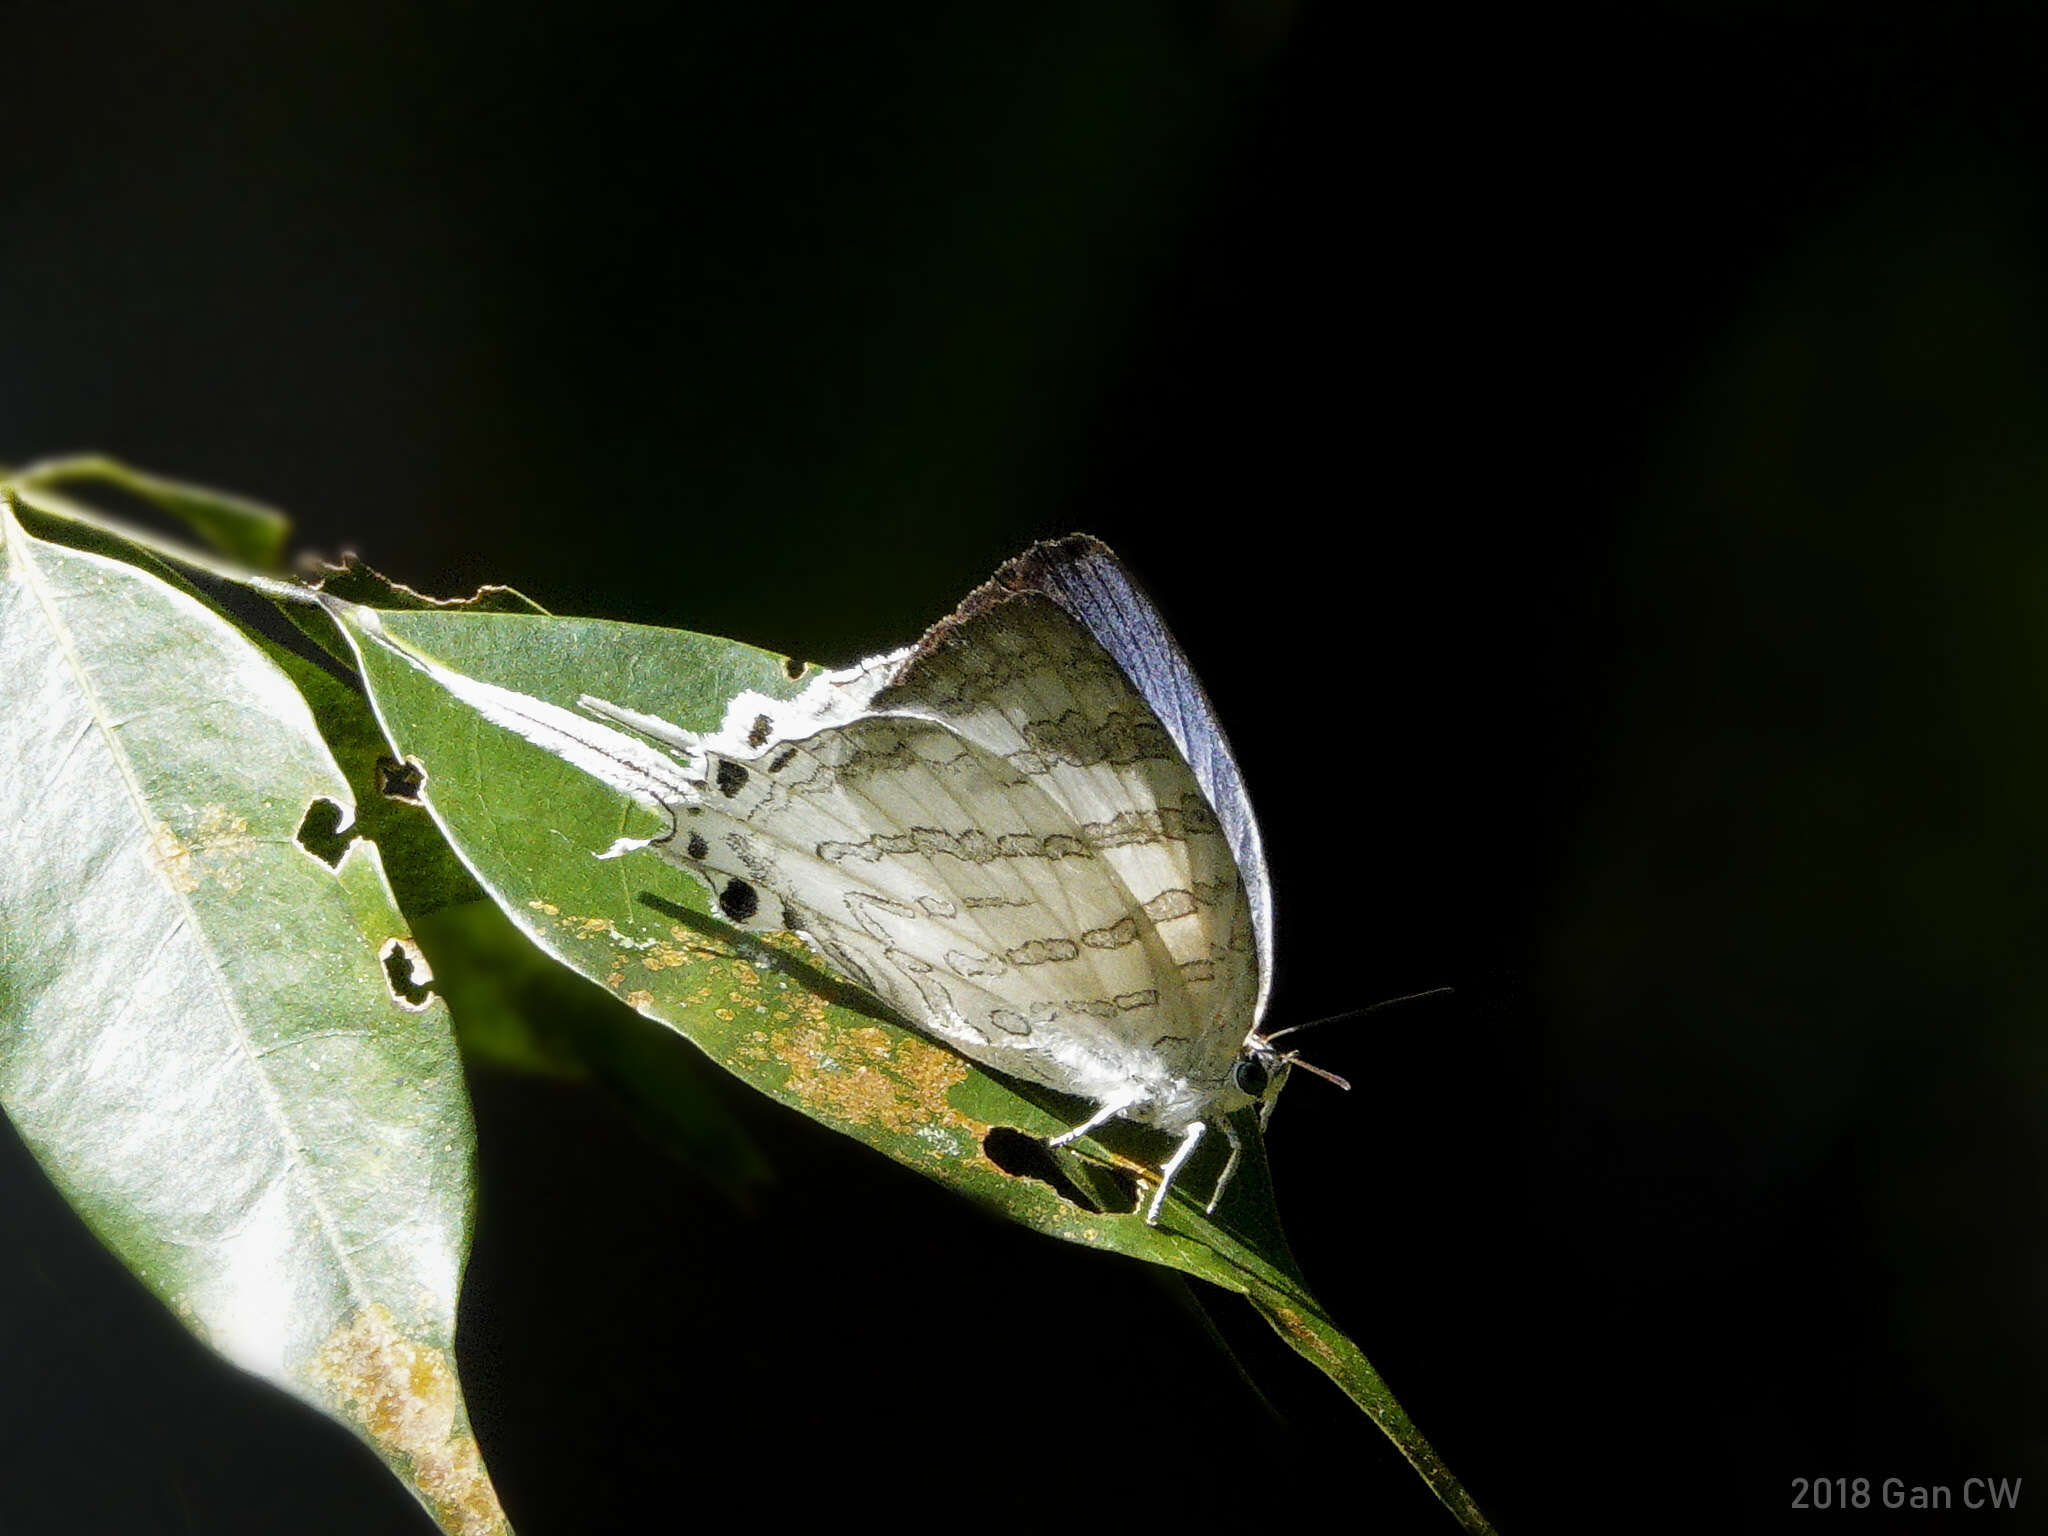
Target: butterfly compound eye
{"points": [[1250, 1076]]}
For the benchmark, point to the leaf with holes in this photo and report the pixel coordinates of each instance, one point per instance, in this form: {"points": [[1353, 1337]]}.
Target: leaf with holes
{"points": [[205, 1036]]}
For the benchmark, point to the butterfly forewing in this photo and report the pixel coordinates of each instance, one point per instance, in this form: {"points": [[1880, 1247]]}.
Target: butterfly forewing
{"points": [[1084, 577]]}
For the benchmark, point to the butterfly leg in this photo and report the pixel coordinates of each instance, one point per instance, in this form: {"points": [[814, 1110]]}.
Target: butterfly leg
{"points": [[1229, 1169], [1108, 1112], [1189, 1140], [1272, 1099]]}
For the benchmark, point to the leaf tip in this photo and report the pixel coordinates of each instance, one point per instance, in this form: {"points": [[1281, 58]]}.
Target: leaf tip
{"points": [[402, 1396]]}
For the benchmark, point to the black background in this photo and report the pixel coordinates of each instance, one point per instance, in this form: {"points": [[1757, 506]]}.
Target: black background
{"points": [[1597, 458]]}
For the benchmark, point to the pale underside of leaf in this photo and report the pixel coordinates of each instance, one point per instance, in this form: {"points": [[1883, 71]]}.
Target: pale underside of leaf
{"points": [[198, 1039]]}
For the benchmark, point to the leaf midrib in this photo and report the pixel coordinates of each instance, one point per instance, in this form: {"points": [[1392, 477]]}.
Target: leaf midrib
{"points": [[282, 1125]]}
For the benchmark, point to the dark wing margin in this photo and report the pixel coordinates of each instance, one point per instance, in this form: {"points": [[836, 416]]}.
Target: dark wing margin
{"points": [[1084, 577]]}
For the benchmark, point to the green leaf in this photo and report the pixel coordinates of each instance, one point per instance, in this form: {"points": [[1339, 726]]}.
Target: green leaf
{"points": [[425, 874], [517, 1010], [354, 582], [201, 1035], [530, 827], [241, 529]]}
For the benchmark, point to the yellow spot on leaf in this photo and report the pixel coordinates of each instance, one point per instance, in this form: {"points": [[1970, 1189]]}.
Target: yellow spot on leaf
{"points": [[545, 906], [864, 1076], [172, 857], [402, 1395], [668, 956], [1304, 1337], [217, 845]]}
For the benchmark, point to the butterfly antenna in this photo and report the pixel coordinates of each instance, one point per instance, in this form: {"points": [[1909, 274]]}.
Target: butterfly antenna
{"points": [[1293, 1059], [1359, 1013]]}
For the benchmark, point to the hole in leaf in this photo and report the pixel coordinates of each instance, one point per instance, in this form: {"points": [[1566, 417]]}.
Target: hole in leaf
{"points": [[400, 781], [407, 973], [1109, 1190], [793, 667], [321, 832]]}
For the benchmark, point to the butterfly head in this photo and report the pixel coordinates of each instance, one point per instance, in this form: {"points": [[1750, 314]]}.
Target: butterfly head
{"points": [[1261, 1068], [1256, 1067], [1261, 1071]]}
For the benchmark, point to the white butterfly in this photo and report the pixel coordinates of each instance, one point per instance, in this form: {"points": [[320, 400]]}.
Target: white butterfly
{"points": [[1026, 833]]}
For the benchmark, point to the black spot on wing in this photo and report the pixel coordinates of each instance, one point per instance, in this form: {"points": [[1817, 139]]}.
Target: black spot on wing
{"points": [[757, 736], [731, 778], [738, 901], [699, 849]]}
